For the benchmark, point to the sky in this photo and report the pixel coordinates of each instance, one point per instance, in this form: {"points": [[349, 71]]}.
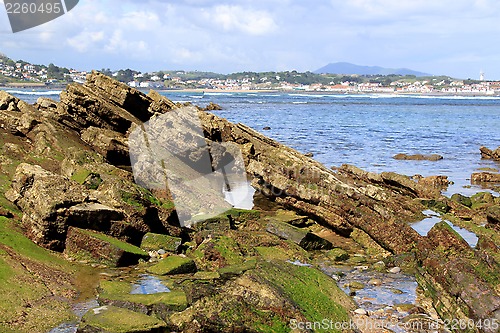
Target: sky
{"points": [[451, 37]]}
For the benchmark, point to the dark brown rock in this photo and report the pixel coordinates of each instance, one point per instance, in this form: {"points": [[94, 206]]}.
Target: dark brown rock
{"points": [[444, 236], [418, 157], [490, 154], [485, 177]]}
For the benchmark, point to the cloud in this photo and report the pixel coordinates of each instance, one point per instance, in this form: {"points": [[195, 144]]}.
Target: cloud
{"points": [[236, 18], [237, 35]]}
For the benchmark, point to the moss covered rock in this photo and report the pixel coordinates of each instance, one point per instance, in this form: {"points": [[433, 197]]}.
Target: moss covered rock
{"points": [[304, 238], [110, 319], [337, 254], [155, 242], [93, 246], [117, 293], [173, 265]]}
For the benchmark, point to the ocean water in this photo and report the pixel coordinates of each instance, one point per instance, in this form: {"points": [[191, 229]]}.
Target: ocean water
{"points": [[366, 130]]}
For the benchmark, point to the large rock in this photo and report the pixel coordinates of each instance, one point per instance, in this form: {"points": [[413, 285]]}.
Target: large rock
{"points": [[485, 177], [373, 203], [93, 246], [305, 238], [490, 154], [110, 144], [45, 199], [444, 236]]}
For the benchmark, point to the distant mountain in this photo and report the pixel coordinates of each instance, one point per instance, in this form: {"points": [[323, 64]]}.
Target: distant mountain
{"points": [[348, 68]]}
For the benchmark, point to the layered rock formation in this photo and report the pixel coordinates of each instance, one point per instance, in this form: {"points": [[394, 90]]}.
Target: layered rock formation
{"points": [[69, 175]]}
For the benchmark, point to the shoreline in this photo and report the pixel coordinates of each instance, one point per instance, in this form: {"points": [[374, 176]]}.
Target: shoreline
{"points": [[267, 91]]}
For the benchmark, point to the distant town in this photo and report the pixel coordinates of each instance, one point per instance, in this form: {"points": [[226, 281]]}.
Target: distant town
{"points": [[24, 74]]}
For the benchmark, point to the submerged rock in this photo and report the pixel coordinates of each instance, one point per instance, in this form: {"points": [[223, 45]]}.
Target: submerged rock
{"points": [[418, 157], [490, 154]]}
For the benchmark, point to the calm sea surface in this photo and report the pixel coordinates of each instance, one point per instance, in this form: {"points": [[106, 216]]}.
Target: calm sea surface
{"points": [[366, 130]]}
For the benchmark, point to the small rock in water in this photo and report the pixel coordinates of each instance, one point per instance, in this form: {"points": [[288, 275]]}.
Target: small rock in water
{"points": [[309, 155], [375, 282], [395, 270], [361, 312], [396, 291], [267, 128], [355, 285]]}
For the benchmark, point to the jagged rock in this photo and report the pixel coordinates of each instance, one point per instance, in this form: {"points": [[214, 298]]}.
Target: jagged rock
{"points": [[110, 144], [45, 199], [45, 104], [97, 247], [173, 265], [435, 181], [114, 319], [490, 154], [103, 103], [444, 236], [304, 238], [93, 216], [155, 242], [485, 177], [418, 157], [211, 107], [17, 116]]}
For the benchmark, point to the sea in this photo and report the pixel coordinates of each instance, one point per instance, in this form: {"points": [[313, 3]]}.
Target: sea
{"points": [[365, 130]]}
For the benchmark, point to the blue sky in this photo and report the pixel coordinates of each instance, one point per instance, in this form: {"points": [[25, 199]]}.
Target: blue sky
{"points": [[453, 37]]}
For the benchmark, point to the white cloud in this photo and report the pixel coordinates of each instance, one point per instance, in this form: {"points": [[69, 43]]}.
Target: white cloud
{"points": [[236, 18]]}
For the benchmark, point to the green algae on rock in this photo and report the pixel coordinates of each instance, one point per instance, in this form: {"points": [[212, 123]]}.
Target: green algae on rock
{"points": [[111, 319], [173, 265]]}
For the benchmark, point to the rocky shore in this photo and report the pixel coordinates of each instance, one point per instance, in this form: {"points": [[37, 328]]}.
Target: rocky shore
{"points": [[75, 226]]}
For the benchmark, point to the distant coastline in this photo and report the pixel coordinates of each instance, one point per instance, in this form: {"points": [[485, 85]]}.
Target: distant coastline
{"points": [[263, 91]]}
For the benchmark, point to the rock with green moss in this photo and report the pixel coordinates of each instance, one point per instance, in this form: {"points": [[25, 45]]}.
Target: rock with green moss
{"points": [[118, 293], [444, 236], [203, 275], [337, 254], [97, 247], [111, 319], [482, 199], [291, 217], [437, 205], [493, 215], [304, 238], [462, 199], [155, 242], [173, 265], [237, 269]]}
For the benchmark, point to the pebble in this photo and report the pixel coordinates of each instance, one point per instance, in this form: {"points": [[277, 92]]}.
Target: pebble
{"points": [[361, 312], [161, 252], [375, 282], [395, 270]]}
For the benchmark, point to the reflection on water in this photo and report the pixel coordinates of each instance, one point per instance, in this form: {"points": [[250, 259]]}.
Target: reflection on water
{"points": [[148, 285], [423, 227]]}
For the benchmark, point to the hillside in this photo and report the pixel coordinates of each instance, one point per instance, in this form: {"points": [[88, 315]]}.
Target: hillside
{"points": [[348, 68]]}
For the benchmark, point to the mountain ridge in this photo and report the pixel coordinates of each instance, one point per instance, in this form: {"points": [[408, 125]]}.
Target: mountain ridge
{"points": [[349, 68]]}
